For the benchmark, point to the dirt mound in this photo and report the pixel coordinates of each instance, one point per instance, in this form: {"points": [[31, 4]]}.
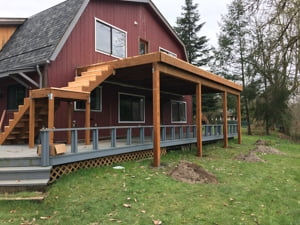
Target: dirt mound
{"points": [[261, 142], [191, 173], [267, 150], [249, 157]]}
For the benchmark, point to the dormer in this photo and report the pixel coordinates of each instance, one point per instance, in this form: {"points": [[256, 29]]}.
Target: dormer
{"points": [[7, 27]]}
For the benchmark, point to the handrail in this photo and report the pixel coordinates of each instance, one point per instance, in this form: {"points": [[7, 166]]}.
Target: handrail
{"points": [[2, 118], [139, 135]]}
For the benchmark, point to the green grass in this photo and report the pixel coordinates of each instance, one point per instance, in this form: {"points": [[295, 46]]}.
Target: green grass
{"points": [[247, 193]]}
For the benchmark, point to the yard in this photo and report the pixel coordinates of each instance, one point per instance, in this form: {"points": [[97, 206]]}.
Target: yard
{"points": [[135, 193]]}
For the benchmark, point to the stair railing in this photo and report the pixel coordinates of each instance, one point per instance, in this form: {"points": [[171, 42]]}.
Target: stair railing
{"points": [[2, 119]]}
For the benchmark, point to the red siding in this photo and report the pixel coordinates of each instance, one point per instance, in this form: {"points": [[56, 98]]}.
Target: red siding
{"points": [[139, 21]]}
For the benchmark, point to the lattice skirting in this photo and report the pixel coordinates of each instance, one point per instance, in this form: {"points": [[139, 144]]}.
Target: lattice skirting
{"points": [[60, 170]]}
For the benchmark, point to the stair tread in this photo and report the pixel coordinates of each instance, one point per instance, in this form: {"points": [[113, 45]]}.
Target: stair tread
{"points": [[27, 182]]}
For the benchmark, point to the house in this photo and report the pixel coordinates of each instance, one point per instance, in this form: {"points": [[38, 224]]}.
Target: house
{"points": [[100, 63]]}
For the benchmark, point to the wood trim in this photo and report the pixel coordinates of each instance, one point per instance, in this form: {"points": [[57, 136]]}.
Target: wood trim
{"points": [[225, 122], [31, 123], [70, 113], [88, 121], [239, 119], [51, 117], [59, 93], [199, 118], [156, 115]]}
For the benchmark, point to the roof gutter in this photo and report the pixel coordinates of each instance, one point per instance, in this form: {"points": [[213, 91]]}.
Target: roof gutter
{"points": [[40, 76]]}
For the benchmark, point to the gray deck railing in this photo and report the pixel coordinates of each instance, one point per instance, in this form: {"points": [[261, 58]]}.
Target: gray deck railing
{"points": [[109, 138]]}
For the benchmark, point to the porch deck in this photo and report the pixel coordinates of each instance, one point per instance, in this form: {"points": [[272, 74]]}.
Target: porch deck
{"points": [[112, 145]]}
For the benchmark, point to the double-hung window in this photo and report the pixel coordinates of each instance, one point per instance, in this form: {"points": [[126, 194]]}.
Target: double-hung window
{"points": [[131, 108], [110, 40], [178, 111]]}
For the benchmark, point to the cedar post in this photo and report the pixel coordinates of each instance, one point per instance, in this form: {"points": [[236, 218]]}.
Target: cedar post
{"points": [[199, 119], [31, 123], [225, 123], [70, 111], [88, 121], [156, 115], [51, 117], [239, 119]]}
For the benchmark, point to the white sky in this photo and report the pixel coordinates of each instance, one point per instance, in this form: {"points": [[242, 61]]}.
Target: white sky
{"points": [[210, 11]]}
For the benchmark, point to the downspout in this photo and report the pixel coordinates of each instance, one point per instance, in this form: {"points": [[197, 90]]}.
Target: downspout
{"points": [[40, 76]]}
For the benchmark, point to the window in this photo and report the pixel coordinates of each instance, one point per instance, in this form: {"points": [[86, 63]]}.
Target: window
{"points": [[96, 101], [178, 111], [143, 48], [131, 108], [167, 51], [15, 96], [110, 40]]}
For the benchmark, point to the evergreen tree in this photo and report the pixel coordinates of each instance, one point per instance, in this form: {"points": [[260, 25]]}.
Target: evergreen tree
{"points": [[188, 28]]}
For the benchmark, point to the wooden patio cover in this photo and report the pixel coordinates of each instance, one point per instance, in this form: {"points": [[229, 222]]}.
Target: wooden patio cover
{"points": [[194, 80]]}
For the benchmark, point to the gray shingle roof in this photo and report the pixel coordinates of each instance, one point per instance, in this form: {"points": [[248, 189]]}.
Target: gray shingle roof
{"points": [[35, 41]]}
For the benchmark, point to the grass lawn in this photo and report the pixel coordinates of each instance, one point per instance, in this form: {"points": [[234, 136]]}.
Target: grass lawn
{"points": [[248, 193]]}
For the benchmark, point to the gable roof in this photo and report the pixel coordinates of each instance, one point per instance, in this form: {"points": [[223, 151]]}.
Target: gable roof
{"points": [[42, 36], [37, 39]]}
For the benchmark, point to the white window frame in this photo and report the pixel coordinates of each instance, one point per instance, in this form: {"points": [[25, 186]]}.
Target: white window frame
{"points": [[176, 101], [113, 27], [119, 107], [92, 110], [168, 52]]}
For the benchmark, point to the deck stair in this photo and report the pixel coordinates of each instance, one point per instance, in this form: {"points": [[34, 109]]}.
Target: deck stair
{"points": [[90, 79], [27, 178], [17, 130]]}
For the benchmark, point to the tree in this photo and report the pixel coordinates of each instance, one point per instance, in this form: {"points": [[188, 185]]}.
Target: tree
{"points": [[188, 28], [231, 55]]}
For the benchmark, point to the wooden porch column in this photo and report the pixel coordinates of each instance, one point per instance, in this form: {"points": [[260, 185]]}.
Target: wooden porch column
{"points": [[156, 115], [31, 123], [51, 117], [199, 118], [70, 112], [225, 123], [239, 119], [88, 121]]}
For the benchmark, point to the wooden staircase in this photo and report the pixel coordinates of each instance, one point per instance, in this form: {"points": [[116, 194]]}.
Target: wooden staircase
{"points": [[17, 131], [90, 79]]}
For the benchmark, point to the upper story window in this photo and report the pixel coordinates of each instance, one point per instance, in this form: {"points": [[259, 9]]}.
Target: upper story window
{"points": [[110, 40], [167, 51], [15, 96], [178, 111], [143, 47], [96, 101]]}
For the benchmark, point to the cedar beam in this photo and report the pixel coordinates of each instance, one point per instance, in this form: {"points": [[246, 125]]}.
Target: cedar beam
{"points": [[199, 118], [88, 121], [31, 123], [239, 119], [70, 111], [225, 123], [156, 115], [51, 117]]}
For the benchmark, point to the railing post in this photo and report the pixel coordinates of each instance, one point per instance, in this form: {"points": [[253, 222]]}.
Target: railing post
{"points": [[45, 158], [129, 136], [180, 132], [173, 133], [95, 138], [74, 141], [163, 133], [142, 135], [113, 137], [194, 131], [188, 132], [206, 130]]}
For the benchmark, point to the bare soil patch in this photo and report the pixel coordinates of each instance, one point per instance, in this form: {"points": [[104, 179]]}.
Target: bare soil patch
{"points": [[267, 150], [191, 173], [249, 157]]}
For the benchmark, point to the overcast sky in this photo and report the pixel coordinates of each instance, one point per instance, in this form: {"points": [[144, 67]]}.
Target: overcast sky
{"points": [[210, 11]]}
